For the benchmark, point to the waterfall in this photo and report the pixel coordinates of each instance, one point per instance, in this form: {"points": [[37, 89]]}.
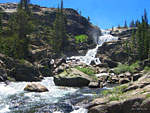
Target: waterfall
{"points": [[90, 55]]}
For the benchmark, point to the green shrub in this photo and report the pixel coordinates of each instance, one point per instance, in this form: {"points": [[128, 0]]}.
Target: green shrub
{"points": [[122, 68], [21, 61], [87, 71], [146, 69], [148, 95], [114, 97], [81, 38]]}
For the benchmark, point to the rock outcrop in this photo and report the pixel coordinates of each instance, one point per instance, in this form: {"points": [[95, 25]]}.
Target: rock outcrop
{"points": [[72, 78], [134, 99], [20, 70], [35, 87]]}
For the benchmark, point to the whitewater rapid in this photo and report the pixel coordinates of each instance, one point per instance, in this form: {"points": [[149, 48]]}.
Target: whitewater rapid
{"points": [[90, 55], [14, 99]]}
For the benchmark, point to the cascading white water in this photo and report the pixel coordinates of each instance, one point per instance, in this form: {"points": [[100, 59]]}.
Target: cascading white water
{"points": [[90, 55]]}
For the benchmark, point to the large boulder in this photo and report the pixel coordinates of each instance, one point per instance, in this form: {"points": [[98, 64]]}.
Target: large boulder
{"points": [[35, 87], [72, 78], [20, 70]]}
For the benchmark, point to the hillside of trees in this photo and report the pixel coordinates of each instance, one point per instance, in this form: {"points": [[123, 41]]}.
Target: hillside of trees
{"points": [[139, 45], [15, 37]]}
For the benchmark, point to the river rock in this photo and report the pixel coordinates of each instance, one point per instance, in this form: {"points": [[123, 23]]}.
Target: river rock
{"points": [[124, 80], [136, 76], [95, 85], [35, 87], [72, 78]]}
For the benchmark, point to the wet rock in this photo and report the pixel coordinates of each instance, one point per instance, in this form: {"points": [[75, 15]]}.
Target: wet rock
{"points": [[35, 87]]}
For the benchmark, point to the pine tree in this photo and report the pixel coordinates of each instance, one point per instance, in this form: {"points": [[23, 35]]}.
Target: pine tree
{"points": [[125, 24], [146, 39], [88, 18], [24, 5], [133, 41], [140, 44], [0, 24], [137, 23], [119, 26], [59, 35], [56, 34], [132, 24]]}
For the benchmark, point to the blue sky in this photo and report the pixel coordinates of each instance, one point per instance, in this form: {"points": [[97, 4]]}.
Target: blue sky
{"points": [[104, 13]]}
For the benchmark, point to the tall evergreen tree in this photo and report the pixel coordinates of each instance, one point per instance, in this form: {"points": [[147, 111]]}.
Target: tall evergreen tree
{"points": [[132, 24], [59, 35], [125, 24]]}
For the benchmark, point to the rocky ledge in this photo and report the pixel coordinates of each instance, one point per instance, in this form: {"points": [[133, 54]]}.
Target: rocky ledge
{"points": [[130, 98]]}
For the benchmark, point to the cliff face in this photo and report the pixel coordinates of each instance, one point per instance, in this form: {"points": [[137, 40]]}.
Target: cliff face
{"points": [[76, 24]]}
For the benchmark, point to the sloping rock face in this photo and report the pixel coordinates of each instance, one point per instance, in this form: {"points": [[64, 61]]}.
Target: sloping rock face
{"points": [[35, 87], [116, 51], [76, 24], [72, 78]]}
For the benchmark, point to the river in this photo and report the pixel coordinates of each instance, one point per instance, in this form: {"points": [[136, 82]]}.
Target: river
{"points": [[14, 99]]}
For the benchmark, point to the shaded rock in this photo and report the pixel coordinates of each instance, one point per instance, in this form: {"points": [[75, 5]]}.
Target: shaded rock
{"points": [[111, 64], [124, 80], [113, 79], [72, 78], [136, 76], [131, 105], [145, 106], [114, 107], [133, 87], [99, 109], [21, 70], [102, 65], [121, 75], [46, 72], [35, 87]]}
